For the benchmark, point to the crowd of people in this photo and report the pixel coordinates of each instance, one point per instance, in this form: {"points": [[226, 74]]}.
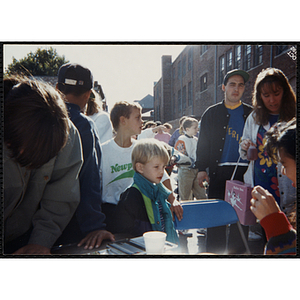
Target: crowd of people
{"points": [[76, 174]]}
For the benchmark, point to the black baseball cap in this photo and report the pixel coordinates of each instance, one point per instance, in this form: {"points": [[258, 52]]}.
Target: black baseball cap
{"points": [[242, 73], [75, 75]]}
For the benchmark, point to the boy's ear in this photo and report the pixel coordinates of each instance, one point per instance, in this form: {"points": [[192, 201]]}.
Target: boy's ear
{"points": [[122, 120], [139, 167], [223, 87]]}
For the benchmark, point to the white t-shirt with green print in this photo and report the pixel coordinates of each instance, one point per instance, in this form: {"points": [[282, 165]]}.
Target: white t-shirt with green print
{"points": [[117, 171]]}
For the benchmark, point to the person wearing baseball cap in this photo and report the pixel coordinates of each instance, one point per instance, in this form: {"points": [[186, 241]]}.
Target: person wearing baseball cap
{"points": [[217, 151], [242, 73], [87, 226], [74, 78]]}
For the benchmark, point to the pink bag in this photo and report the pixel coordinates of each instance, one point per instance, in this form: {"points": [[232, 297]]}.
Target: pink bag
{"points": [[238, 194]]}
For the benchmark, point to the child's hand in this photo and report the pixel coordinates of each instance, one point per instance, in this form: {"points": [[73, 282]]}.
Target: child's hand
{"points": [[173, 160], [177, 209], [263, 203]]}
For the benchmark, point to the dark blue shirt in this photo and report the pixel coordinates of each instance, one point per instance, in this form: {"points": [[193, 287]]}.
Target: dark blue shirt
{"points": [[88, 214], [234, 132]]}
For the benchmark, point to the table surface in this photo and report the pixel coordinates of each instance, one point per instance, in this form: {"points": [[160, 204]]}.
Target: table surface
{"points": [[73, 249]]}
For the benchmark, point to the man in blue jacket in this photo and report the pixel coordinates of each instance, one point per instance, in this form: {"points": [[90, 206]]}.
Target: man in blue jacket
{"points": [[217, 150], [87, 225]]}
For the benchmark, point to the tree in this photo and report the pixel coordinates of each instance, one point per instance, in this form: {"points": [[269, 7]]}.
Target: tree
{"points": [[44, 62]]}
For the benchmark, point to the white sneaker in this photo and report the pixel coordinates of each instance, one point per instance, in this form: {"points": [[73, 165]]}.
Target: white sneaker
{"points": [[253, 236]]}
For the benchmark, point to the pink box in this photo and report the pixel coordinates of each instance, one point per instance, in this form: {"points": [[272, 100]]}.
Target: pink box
{"points": [[238, 194]]}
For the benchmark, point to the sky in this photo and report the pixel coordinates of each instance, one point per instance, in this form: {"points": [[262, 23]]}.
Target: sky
{"points": [[125, 72]]}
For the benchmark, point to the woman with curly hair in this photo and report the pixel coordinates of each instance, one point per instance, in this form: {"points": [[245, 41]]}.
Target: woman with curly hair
{"points": [[273, 101]]}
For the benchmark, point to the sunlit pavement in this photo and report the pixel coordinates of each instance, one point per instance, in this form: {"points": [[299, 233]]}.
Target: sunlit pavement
{"points": [[196, 243]]}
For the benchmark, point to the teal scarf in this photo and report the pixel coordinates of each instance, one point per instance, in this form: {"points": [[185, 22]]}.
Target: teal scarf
{"points": [[152, 193]]}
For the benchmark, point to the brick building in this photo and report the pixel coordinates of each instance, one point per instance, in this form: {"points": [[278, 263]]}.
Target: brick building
{"points": [[193, 81]]}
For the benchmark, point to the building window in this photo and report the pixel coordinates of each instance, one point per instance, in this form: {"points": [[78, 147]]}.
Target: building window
{"points": [[238, 57], [203, 49], [258, 52], [203, 82], [247, 60], [179, 100], [229, 60], [280, 49], [190, 59], [190, 94], [184, 97], [184, 65], [221, 68]]}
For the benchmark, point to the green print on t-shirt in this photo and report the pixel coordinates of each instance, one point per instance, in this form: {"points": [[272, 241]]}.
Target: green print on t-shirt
{"points": [[120, 168]]}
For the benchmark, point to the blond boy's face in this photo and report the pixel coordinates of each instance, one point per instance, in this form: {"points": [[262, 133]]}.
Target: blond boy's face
{"points": [[152, 170], [135, 123]]}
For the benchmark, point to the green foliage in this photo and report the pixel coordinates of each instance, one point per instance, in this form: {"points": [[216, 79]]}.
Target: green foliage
{"points": [[44, 62]]}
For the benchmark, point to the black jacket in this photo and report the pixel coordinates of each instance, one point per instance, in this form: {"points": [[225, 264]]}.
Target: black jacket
{"points": [[212, 135], [131, 215]]}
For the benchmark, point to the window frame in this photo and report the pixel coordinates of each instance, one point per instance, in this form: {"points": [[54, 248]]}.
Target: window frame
{"points": [[203, 82]]}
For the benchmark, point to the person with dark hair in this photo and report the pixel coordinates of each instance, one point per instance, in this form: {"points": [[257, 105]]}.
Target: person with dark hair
{"points": [[87, 226], [280, 144], [217, 153], [41, 161], [273, 101], [94, 110]]}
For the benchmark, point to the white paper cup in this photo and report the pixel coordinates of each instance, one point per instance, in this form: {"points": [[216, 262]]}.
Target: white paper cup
{"points": [[155, 242]]}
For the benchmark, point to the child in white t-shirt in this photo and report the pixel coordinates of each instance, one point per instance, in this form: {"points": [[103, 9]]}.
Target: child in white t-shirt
{"points": [[116, 165]]}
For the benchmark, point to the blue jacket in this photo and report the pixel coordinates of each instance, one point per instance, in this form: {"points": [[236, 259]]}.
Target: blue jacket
{"points": [[88, 214]]}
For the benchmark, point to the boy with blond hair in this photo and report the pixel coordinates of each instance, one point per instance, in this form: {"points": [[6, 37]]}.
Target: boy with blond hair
{"points": [[144, 206]]}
